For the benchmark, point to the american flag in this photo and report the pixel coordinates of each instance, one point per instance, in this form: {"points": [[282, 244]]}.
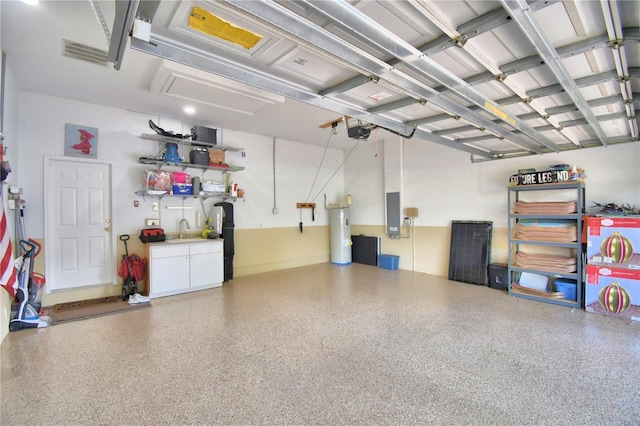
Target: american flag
{"points": [[8, 276]]}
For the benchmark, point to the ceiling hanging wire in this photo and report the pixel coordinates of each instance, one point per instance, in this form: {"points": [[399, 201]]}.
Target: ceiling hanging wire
{"points": [[337, 169], [324, 153]]}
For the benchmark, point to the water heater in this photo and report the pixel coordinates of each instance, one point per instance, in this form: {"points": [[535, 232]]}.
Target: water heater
{"points": [[340, 224]]}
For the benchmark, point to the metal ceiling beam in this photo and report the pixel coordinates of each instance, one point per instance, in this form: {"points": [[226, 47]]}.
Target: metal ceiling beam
{"points": [[523, 16], [348, 16], [475, 27], [282, 18], [592, 103], [569, 147], [481, 25], [125, 11], [476, 52], [547, 127], [389, 106], [546, 91], [534, 61], [428, 120], [613, 19], [554, 89], [218, 66], [534, 115], [347, 85], [603, 118], [567, 51]]}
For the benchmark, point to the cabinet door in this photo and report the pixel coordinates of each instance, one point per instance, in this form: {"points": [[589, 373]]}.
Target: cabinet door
{"points": [[206, 264], [205, 269], [168, 275]]}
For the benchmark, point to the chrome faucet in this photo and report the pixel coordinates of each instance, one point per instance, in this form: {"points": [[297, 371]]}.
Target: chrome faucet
{"points": [[183, 232]]}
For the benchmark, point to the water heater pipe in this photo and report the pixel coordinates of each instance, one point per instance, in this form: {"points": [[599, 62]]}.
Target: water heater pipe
{"points": [[275, 208]]}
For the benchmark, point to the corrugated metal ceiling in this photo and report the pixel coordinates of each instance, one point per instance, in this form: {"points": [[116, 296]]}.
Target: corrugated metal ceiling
{"points": [[495, 79]]}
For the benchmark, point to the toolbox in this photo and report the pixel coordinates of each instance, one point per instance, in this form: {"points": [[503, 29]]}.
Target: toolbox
{"points": [[152, 235]]}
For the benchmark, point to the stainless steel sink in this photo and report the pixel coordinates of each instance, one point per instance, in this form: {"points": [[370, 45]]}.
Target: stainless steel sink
{"points": [[184, 240]]}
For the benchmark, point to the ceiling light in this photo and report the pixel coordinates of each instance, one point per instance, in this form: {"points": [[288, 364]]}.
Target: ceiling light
{"points": [[189, 110], [30, 2]]}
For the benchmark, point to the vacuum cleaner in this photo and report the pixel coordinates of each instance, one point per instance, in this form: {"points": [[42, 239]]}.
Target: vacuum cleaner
{"points": [[26, 313]]}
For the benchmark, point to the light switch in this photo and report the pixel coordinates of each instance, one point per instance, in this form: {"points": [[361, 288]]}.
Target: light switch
{"points": [[154, 207]]}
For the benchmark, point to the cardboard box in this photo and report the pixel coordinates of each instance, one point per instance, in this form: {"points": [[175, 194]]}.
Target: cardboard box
{"points": [[614, 241], [613, 292], [216, 156]]}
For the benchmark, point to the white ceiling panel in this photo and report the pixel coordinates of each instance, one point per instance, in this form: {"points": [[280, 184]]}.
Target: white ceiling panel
{"points": [[308, 66], [371, 60]]}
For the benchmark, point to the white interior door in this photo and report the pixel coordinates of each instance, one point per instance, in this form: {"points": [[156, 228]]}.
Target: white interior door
{"points": [[78, 228]]}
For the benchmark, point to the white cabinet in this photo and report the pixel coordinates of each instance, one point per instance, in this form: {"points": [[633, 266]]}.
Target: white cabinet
{"points": [[179, 267]]}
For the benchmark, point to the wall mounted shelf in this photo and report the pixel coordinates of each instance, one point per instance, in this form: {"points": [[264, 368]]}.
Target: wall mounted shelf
{"points": [[183, 165]]}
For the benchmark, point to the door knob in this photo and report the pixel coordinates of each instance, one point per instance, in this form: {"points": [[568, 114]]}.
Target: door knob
{"points": [[107, 228]]}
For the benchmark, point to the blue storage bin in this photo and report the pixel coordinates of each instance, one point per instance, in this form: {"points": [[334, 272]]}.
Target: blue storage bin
{"points": [[182, 189], [388, 261], [567, 287]]}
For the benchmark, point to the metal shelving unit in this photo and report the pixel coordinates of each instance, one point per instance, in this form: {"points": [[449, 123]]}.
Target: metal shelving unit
{"points": [[185, 165], [189, 142], [514, 194], [159, 163]]}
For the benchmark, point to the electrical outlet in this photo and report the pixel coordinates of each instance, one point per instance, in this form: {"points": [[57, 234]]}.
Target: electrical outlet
{"points": [[153, 222]]}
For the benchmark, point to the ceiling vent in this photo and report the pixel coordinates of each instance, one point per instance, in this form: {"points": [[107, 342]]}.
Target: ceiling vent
{"points": [[86, 53]]}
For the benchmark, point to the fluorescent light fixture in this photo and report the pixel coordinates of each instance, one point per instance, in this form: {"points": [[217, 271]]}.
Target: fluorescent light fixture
{"points": [[189, 110]]}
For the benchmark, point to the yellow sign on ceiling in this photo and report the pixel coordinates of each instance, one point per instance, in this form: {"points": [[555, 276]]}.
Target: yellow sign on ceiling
{"points": [[208, 23], [500, 113]]}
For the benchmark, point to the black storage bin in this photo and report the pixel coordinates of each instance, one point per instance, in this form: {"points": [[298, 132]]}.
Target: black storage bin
{"points": [[199, 156], [499, 276]]}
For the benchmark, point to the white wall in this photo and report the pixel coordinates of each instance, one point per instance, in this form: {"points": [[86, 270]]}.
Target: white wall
{"points": [[446, 186], [42, 121]]}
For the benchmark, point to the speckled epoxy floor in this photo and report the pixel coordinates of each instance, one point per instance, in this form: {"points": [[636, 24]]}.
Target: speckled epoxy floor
{"points": [[331, 345]]}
